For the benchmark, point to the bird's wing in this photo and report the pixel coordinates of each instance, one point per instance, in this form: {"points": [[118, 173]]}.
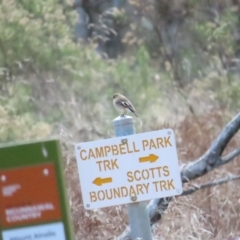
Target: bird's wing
{"points": [[128, 105]]}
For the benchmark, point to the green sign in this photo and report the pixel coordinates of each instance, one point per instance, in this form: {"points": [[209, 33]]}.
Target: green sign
{"points": [[33, 202]]}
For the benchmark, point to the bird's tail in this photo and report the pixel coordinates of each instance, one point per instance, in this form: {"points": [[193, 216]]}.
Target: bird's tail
{"points": [[139, 119], [135, 114]]}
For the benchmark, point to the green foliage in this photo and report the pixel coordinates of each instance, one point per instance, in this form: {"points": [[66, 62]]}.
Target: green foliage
{"points": [[228, 92], [37, 46], [20, 127], [48, 78], [34, 32], [217, 35]]}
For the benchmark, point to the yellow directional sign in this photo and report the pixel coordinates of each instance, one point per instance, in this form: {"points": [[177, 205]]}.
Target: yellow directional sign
{"points": [[144, 165], [99, 181], [150, 158]]}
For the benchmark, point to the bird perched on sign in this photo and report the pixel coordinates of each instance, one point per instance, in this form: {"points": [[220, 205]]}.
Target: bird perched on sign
{"points": [[121, 103]]}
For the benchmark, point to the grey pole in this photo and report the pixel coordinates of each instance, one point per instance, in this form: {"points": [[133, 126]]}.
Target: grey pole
{"points": [[116, 3], [137, 211]]}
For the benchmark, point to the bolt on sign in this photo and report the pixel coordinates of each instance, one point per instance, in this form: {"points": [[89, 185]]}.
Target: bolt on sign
{"points": [[121, 170], [33, 203]]}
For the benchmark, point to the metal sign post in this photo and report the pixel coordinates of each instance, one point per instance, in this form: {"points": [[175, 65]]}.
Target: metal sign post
{"points": [[137, 212], [129, 169]]}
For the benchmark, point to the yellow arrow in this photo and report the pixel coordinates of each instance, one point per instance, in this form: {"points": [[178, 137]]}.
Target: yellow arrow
{"points": [[151, 158], [99, 181]]}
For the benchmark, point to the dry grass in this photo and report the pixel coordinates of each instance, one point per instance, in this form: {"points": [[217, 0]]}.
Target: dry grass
{"points": [[212, 213]]}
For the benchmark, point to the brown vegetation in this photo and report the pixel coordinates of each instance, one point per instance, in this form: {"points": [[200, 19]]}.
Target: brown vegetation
{"points": [[212, 213]]}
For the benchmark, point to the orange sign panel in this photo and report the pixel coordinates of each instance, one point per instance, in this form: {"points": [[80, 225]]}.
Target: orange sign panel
{"points": [[29, 195]]}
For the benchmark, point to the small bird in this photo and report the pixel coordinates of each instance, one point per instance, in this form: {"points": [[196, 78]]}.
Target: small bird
{"points": [[121, 103]]}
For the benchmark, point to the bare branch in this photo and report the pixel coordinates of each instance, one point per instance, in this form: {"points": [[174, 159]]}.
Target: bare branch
{"points": [[162, 204], [212, 158], [229, 157], [207, 162], [210, 184]]}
